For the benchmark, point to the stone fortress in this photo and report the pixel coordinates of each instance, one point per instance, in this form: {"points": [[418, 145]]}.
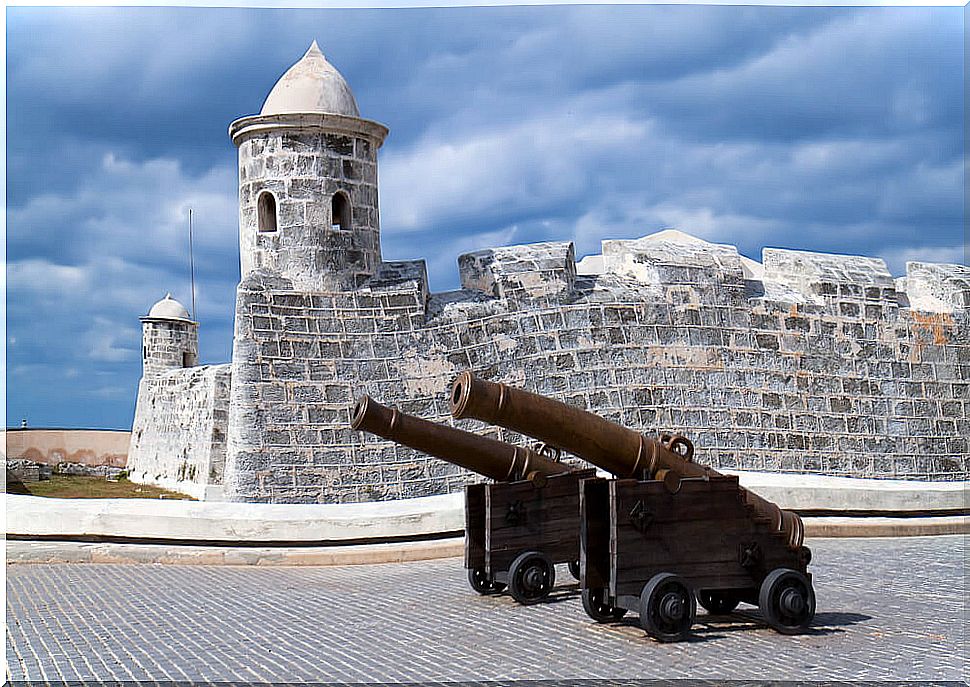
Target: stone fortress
{"points": [[804, 362]]}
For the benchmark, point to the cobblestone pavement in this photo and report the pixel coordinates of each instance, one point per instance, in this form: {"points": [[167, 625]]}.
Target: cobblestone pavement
{"points": [[887, 609]]}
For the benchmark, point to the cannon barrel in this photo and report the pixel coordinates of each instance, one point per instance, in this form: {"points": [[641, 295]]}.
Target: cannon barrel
{"points": [[621, 451], [487, 457]]}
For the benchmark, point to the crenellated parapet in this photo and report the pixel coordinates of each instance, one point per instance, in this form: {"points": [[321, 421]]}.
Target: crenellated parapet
{"points": [[520, 275], [936, 288], [805, 362], [690, 271]]}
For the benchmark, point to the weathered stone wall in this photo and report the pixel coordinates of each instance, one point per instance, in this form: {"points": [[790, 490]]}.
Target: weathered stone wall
{"points": [[303, 171], [24, 470], [178, 439], [168, 345], [820, 366]]}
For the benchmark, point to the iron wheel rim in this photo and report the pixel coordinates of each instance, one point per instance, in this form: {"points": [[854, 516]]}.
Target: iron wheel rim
{"points": [[787, 601], [531, 577], [667, 608]]}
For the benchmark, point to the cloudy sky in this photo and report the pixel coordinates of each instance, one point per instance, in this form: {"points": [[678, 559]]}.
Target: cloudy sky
{"points": [[836, 130]]}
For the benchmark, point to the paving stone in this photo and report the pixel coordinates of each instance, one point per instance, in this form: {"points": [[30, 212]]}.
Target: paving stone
{"points": [[888, 609]]}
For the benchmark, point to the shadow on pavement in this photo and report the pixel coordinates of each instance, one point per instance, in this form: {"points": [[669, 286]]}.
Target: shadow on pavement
{"points": [[560, 594], [823, 624], [840, 619]]}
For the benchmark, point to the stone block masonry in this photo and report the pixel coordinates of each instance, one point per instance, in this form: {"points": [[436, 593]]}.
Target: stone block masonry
{"points": [[805, 363], [178, 438], [168, 345], [817, 367], [304, 171]]}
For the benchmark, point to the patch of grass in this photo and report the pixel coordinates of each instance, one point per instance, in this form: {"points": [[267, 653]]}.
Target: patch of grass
{"points": [[78, 487]]}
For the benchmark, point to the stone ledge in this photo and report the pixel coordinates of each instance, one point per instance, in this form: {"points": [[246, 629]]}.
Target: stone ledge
{"points": [[803, 492], [83, 552], [234, 522], [818, 528], [412, 519]]}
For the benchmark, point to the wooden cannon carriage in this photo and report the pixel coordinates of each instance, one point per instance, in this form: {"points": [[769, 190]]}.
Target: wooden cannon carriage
{"points": [[517, 528], [649, 549], [516, 532], [668, 530]]}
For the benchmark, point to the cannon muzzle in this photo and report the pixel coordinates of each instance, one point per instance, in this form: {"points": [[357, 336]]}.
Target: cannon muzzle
{"points": [[616, 449], [488, 457]]}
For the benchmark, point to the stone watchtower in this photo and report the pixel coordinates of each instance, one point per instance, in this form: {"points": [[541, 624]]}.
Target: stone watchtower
{"points": [[308, 182], [170, 339]]}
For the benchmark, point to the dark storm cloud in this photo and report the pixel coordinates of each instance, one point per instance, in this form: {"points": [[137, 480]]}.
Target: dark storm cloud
{"points": [[816, 128]]}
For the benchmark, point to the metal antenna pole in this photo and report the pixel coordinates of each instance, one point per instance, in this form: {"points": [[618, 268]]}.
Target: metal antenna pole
{"points": [[191, 264]]}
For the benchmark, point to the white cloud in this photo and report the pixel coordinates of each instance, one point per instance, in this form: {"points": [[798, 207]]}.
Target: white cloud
{"points": [[105, 349], [897, 258], [116, 50], [442, 258], [864, 71], [539, 162], [595, 175], [135, 210], [103, 253], [112, 341], [44, 278]]}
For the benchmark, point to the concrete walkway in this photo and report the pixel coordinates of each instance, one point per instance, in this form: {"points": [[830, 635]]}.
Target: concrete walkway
{"points": [[888, 609]]}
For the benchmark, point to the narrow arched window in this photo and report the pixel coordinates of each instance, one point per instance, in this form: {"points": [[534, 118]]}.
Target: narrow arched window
{"points": [[340, 211], [266, 209]]}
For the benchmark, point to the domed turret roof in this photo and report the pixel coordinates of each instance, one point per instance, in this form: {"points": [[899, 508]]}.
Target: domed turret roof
{"points": [[169, 309], [311, 85]]}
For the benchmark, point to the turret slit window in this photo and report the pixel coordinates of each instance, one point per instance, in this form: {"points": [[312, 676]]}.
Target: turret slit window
{"points": [[340, 211], [266, 209]]}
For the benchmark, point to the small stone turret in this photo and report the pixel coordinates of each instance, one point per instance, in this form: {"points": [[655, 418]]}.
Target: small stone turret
{"points": [[308, 182], [170, 339]]}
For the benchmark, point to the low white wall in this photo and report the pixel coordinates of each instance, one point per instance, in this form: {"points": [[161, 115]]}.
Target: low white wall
{"points": [[256, 522], [234, 522], [90, 447], [821, 492]]}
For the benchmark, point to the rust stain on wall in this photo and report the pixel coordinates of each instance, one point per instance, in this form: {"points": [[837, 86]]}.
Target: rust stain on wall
{"points": [[936, 323]]}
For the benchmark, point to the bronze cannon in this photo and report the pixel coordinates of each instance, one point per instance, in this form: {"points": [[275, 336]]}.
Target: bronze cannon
{"points": [[618, 450], [516, 529], [666, 530], [488, 457]]}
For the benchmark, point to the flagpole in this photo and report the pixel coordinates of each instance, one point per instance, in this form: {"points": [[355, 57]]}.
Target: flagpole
{"points": [[191, 264]]}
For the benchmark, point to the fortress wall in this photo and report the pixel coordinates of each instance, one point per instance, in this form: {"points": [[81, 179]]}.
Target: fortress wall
{"points": [[816, 368], [178, 438]]}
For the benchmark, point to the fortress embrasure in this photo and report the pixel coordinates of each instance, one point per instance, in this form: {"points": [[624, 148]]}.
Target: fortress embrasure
{"points": [[804, 362]]}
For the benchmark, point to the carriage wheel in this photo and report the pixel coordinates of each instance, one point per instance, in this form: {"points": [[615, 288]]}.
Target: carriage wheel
{"points": [[574, 569], [531, 577], [482, 583], [787, 601], [718, 601], [597, 607], [667, 608]]}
